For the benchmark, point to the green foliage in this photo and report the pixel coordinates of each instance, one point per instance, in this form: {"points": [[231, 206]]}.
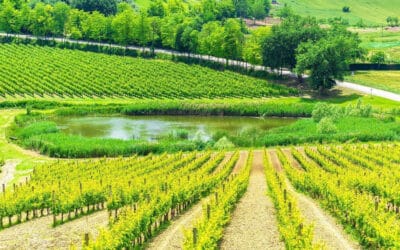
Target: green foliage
{"points": [[224, 143], [279, 48], [38, 128], [326, 126], [79, 74], [322, 110], [378, 57], [328, 58], [346, 9]]}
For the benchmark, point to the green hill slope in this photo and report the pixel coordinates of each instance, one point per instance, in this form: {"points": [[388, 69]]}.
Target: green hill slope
{"points": [[27, 70], [371, 12]]}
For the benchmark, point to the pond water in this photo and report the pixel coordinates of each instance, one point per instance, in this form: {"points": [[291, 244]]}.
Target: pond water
{"points": [[154, 127]]}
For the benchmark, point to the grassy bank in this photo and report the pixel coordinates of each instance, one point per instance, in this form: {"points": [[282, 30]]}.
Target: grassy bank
{"points": [[360, 123], [385, 80]]}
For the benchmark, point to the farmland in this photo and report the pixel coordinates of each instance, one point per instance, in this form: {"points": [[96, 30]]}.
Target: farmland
{"points": [[176, 125], [127, 77], [66, 191], [371, 13]]}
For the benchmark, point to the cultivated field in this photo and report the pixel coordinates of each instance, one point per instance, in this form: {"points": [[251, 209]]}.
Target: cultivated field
{"points": [[371, 13]]}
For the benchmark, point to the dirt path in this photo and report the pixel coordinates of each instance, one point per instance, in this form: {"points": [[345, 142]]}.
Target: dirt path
{"points": [[39, 234], [326, 229], [8, 172], [253, 224]]}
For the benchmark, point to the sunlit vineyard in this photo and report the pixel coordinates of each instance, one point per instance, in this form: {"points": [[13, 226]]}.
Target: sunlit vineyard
{"points": [[27, 70], [356, 183]]}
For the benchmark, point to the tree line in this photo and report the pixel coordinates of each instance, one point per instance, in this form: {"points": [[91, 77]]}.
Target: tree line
{"points": [[210, 27]]}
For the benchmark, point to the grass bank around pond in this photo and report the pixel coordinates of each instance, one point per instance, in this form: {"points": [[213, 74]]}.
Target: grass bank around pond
{"points": [[36, 131]]}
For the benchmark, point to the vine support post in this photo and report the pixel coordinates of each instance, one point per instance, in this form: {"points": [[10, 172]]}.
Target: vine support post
{"points": [[195, 235], [86, 239]]}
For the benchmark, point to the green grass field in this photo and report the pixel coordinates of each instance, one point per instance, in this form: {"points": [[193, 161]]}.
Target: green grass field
{"points": [[381, 39], [386, 80], [371, 12]]}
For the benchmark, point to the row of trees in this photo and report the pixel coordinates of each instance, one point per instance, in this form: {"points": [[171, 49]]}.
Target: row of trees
{"points": [[299, 44]]}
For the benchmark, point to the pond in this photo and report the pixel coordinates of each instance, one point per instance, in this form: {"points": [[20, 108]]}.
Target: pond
{"points": [[154, 127]]}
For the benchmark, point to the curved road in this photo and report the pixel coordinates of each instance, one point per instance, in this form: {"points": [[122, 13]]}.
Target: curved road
{"points": [[353, 86], [369, 90]]}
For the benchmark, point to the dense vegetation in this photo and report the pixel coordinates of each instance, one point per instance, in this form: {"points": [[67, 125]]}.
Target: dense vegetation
{"points": [[216, 31], [328, 123], [357, 185], [47, 71]]}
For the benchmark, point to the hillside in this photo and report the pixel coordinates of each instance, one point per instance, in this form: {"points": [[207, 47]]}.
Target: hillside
{"points": [[44, 71], [371, 12]]}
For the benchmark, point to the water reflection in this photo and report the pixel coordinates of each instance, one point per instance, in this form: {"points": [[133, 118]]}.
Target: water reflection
{"points": [[153, 127]]}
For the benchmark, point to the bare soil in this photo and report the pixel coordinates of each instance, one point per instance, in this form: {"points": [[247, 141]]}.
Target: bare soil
{"points": [[254, 224], [39, 233]]}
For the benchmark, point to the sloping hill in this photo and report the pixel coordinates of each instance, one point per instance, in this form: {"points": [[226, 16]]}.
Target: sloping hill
{"points": [[371, 12]]}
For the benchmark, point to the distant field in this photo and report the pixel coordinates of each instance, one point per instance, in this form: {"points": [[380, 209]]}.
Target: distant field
{"points": [[384, 40], [372, 12], [386, 80], [40, 71]]}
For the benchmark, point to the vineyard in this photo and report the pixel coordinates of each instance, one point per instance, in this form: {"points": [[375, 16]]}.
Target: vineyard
{"points": [[35, 71], [356, 183]]}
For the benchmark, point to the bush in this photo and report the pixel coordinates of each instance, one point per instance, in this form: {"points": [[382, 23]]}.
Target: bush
{"points": [[326, 126], [224, 143], [378, 57], [322, 110], [346, 9]]}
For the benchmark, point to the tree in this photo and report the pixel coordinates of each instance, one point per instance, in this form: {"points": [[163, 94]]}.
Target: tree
{"points": [[142, 29], [252, 51], [107, 7], [169, 29], [279, 49], [241, 7], [123, 27], [326, 60], [60, 17], [233, 40], [41, 20], [211, 39], [7, 17], [258, 10], [156, 8]]}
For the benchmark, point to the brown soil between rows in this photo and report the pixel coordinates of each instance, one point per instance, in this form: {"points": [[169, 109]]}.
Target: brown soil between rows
{"points": [[39, 233], [253, 224]]}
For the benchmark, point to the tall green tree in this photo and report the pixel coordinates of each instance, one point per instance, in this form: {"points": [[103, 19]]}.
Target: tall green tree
{"points": [[8, 16], [142, 29], [326, 60], [123, 27], [41, 20], [233, 39], [279, 49], [252, 51], [60, 18]]}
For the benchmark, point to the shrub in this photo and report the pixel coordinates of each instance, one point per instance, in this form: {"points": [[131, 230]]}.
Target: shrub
{"points": [[224, 143], [322, 110], [346, 9], [326, 126], [378, 57]]}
